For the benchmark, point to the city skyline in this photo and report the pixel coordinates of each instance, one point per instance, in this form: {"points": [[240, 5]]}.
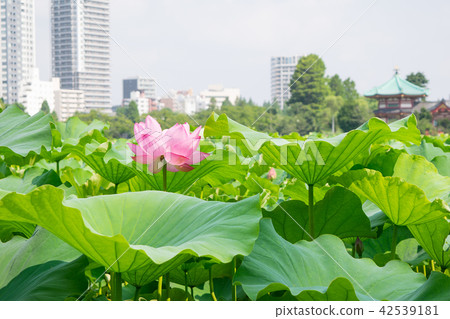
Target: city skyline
{"points": [[171, 42]]}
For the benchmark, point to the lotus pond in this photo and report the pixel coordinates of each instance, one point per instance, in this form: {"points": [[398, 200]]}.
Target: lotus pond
{"points": [[221, 212]]}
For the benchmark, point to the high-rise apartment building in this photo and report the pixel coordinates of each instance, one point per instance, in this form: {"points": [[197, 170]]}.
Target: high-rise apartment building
{"points": [[282, 69], [81, 49], [17, 47], [143, 85]]}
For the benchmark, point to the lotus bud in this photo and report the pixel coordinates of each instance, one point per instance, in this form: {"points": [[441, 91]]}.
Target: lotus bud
{"points": [[272, 174], [359, 247]]}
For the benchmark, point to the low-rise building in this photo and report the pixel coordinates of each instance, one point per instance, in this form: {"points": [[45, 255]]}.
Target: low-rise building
{"points": [[34, 92], [68, 102], [142, 101], [220, 94]]}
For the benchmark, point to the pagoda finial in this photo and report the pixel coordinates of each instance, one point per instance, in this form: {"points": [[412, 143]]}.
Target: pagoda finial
{"points": [[396, 69]]}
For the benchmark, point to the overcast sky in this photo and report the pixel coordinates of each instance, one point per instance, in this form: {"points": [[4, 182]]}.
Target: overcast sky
{"points": [[190, 44]]}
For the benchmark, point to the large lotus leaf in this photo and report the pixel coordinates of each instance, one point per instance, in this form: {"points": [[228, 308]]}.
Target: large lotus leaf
{"points": [[382, 244], [153, 231], [404, 203], [432, 237], [427, 150], [437, 288], [21, 134], [442, 163], [10, 228], [315, 159], [299, 190], [409, 251], [180, 181], [74, 132], [339, 213], [24, 184], [51, 281], [198, 274], [74, 129], [110, 168], [383, 159], [376, 216], [21, 253], [418, 171], [441, 141], [277, 265]]}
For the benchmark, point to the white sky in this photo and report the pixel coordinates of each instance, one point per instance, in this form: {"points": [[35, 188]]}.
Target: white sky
{"points": [[190, 44]]}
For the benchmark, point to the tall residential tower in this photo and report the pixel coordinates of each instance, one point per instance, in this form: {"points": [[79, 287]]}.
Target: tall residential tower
{"points": [[282, 69], [17, 47], [81, 49]]}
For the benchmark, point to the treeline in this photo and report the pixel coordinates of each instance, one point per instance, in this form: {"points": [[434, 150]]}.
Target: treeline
{"points": [[318, 104]]}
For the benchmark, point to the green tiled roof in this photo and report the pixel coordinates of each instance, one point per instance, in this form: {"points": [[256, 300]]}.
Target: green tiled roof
{"points": [[397, 86]]}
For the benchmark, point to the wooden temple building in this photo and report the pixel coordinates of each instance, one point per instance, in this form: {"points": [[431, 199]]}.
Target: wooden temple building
{"points": [[439, 110], [396, 98]]}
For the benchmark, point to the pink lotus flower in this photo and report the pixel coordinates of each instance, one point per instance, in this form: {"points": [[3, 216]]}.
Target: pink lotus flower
{"points": [[176, 147], [272, 174]]}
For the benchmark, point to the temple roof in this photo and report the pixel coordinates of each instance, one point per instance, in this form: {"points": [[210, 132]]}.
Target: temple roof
{"points": [[397, 86]]}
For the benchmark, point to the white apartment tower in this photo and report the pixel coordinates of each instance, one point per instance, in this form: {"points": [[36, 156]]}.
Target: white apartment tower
{"points": [[17, 47], [282, 69], [81, 49]]}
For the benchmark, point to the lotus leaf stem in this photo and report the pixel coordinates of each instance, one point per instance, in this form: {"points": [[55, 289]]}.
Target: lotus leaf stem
{"points": [[394, 241], [160, 280], [233, 286], [116, 286], [311, 209], [211, 284], [136, 293], [167, 286]]}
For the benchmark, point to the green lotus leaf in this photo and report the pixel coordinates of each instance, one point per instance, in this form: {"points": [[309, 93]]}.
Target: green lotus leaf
{"points": [[74, 132], [409, 251], [149, 232], [51, 281], [10, 228], [418, 171], [22, 135], [441, 141], [404, 203], [339, 214], [432, 236], [376, 216], [98, 157], [383, 159], [382, 244], [427, 150], [181, 181], [437, 288], [20, 253], [198, 274], [315, 159], [442, 164], [277, 265], [299, 190]]}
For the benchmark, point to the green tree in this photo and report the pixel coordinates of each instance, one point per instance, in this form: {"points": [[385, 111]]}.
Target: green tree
{"points": [[226, 102], [130, 111], [212, 104], [44, 107], [308, 85], [350, 92], [349, 116], [417, 79], [336, 85], [346, 89], [332, 106]]}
